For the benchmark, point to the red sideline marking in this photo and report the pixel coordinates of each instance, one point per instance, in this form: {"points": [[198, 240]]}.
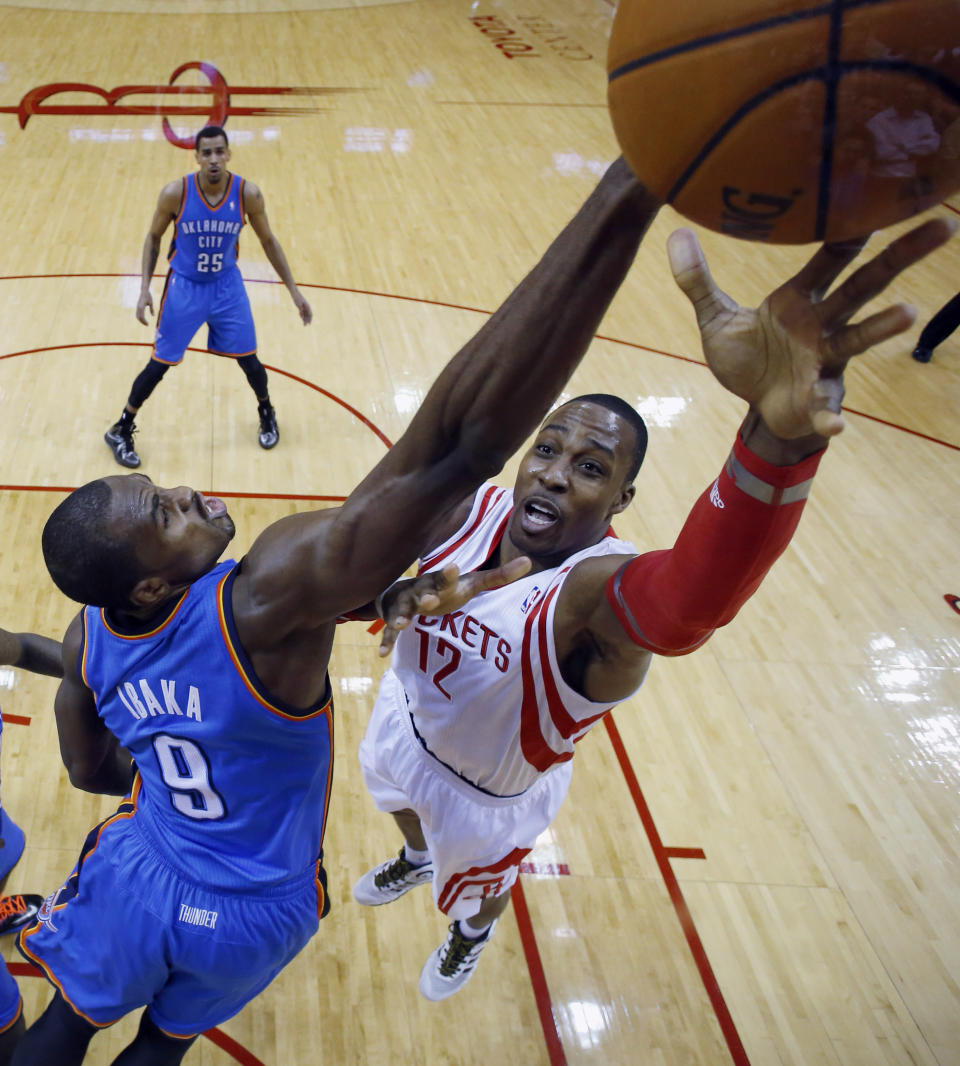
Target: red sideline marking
{"points": [[903, 429], [215, 1036], [15, 719], [240, 1053], [954, 601], [549, 869], [374, 628], [729, 1030], [537, 977], [685, 853]]}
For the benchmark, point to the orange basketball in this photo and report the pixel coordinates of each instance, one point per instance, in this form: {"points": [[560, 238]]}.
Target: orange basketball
{"points": [[789, 120]]}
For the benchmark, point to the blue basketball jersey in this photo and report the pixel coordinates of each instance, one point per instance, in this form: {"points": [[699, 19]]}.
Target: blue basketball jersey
{"points": [[205, 238], [234, 784]]}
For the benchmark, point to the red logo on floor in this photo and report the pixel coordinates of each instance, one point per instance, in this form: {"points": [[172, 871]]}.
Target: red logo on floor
{"points": [[954, 601], [215, 111]]}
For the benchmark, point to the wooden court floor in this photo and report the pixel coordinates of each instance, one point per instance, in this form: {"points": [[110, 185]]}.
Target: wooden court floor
{"points": [[758, 861]]}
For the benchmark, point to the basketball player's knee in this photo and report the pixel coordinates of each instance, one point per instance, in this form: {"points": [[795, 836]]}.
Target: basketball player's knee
{"points": [[146, 381]]}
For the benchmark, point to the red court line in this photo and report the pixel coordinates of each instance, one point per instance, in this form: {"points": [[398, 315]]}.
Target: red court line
{"points": [[238, 1051], [903, 429], [707, 976], [149, 344], [685, 853], [409, 299], [537, 976], [15, 719], [336, 399]]}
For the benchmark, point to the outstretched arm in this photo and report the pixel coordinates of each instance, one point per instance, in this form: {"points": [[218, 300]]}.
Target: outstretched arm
{"points": [[30, 651], [257, 214], [786, 359], [480, 409]]}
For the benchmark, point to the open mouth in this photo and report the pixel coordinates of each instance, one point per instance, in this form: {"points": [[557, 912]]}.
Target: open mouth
{"points": [[538, 514], [211, 506]]}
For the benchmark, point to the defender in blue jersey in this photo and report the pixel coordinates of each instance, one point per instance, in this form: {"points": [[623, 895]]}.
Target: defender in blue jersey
{"points": [[213, 678], [208, 209]]}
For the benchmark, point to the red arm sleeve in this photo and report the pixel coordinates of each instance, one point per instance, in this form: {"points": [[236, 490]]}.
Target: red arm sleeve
{"points": [[670, 602]]}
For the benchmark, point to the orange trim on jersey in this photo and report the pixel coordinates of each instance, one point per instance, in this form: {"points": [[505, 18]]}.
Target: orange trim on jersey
{"points": [[153, 632], [83, 653], [321, 892], [329, 787], [231, 355], [166, 362], [51, 977], [176, 1036], [245, 677], [183, 199], [22, 938], [163, 301], [222, 200], [15, 1019]]}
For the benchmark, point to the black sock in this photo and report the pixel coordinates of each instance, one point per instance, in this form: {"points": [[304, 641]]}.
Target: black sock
{"points": [[126, 418]]}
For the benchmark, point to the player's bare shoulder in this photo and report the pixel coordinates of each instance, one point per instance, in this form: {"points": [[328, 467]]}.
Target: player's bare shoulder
{"points": [[588, 635], [253, 202], [171, 198]]}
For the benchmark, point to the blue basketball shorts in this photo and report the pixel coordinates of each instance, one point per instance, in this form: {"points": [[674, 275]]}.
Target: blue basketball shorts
{"points": [[126, 931], [10, 1005], [223, 304]]}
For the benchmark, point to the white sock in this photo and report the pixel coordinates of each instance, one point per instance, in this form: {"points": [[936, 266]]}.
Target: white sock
{"points": [[472, 932], [415, 858]]}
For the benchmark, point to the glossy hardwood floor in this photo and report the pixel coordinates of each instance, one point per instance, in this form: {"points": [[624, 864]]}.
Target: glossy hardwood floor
{"points": [[759, 857]]}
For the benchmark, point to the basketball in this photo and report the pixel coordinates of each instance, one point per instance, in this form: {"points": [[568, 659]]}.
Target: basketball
{"points": [[789, 120]]}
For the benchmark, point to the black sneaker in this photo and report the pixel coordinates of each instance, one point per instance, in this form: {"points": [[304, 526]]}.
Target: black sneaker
{"points": [[269, 433], [18, 911], [120, 440]]}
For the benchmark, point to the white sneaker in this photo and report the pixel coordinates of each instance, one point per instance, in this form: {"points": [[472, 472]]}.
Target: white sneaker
{"points": [[450, 967], [390, 880]]}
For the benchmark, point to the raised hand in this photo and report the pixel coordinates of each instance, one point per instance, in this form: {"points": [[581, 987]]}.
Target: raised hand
{"points": [[787, 357], [440, 592]]}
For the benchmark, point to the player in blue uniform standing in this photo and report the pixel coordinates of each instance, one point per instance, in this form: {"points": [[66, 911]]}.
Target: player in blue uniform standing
{"points": [[204, 284], [213, 676]]}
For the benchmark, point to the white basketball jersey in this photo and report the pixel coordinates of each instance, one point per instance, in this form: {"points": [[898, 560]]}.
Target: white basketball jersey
{"points": [[483, 683]]}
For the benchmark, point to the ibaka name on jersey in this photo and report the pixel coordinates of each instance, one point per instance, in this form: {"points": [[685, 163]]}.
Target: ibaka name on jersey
{"points": [[439, 656], [141, 701]]}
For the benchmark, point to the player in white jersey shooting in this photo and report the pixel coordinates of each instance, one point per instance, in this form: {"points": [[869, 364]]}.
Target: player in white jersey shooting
{"points": [[474, 727]]}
